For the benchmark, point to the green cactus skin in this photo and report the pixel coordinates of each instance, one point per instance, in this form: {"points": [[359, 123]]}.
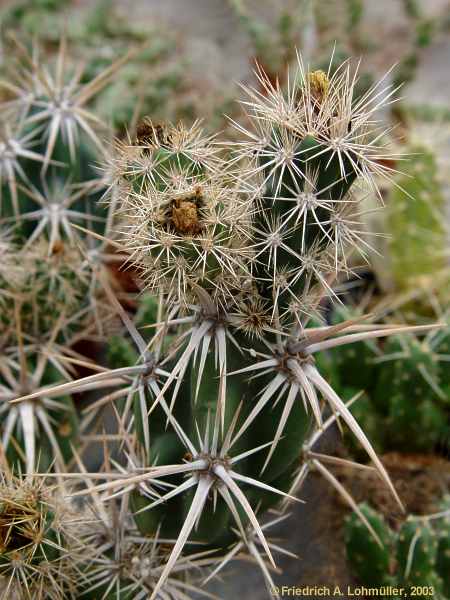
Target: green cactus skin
{"points": [[147, 313], [413, 405], [365, 413], [417, 547], [354, 363], [426, 420], [405, 373], [369, 560], [120, 352], [412, 408]]}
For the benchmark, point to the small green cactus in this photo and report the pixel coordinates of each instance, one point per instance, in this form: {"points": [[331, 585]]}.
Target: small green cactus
{"points": [[417, 547], [414, 412], [416, 555], [370, 557]]}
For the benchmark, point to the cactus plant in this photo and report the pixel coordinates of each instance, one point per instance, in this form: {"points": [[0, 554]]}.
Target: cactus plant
{"points": [[39, 550], [50, 292], [416, 552], [214, 381], [368, 556], [415, 555], [416, 410]]}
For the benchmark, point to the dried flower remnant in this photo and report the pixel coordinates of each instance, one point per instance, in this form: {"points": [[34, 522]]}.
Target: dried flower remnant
{"points": [[185, 213], [150, 134], [319, 85]]}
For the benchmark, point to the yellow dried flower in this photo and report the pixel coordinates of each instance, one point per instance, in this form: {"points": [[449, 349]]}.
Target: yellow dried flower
{"points": [[318, 84]]}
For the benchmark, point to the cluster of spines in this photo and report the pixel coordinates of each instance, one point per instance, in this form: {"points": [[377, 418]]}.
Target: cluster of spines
{"points": [[282, 215], [305, 151], [51, 549], [182, 218], [39, 551]]}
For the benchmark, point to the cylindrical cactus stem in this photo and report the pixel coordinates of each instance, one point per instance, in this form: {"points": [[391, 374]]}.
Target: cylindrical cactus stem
{"points": [[416, 400], [370, 560], [199, 397], [307, 159], [417, 546], [185, 220]]}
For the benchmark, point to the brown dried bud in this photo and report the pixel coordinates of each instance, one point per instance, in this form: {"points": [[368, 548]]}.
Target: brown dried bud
{"points": [[150, 134], [185, 217]]}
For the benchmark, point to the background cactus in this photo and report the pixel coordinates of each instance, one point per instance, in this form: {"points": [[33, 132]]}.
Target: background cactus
{"points": [[369, 556], [415, 411], [50, 293], [416, 225], [415, 555]]}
